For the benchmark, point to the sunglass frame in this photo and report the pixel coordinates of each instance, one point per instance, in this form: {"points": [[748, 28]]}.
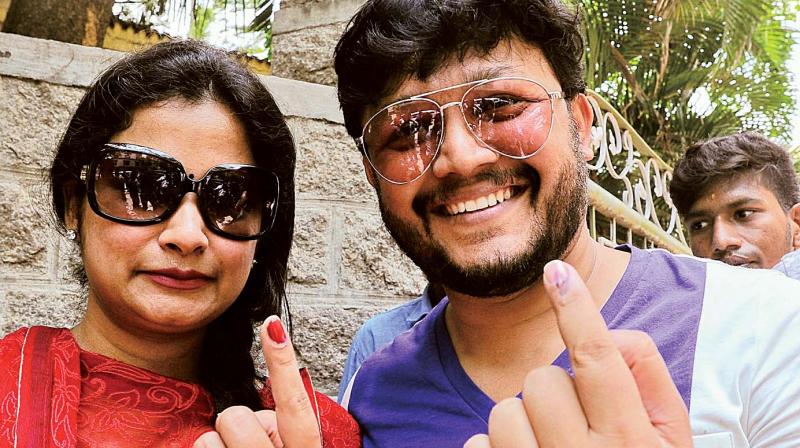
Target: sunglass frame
{"points": [[187, 185], [552, 96]]}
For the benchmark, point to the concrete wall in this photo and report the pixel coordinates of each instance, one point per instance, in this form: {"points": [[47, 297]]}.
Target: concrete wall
{"points": [[343, 268]]}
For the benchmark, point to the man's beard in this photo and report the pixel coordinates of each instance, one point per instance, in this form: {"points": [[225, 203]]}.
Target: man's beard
{"points": [[561, 214]]}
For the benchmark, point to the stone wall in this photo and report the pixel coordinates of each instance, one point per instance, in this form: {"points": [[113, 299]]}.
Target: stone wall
{"points": [[305, 33], [343, 267]]}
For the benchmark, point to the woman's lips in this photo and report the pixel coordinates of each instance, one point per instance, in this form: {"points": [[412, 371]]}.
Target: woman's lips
{"points": [[178, 279]]}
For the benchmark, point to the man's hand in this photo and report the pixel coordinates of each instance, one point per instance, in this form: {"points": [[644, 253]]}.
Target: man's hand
{"points": [[621, 394], [292, 423]]}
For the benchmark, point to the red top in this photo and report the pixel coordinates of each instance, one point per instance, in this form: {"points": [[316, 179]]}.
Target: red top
{"points": [[91, 400]]}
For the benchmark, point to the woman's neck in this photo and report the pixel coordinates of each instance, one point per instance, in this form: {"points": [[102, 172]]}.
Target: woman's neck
{"points": [[172, 355]]}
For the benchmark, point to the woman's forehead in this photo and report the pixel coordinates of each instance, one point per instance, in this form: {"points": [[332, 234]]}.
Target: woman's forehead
{"points": [[199, 135]]}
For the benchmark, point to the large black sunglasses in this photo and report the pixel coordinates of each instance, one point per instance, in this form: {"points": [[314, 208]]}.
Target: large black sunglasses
{"points": [[136, 185]]}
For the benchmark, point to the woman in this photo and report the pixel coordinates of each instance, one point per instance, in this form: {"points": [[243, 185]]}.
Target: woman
{"points": [[175, 178]]}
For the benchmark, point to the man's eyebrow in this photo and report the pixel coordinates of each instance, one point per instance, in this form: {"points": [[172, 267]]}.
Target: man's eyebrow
{"points": [[741, 202], [496, 71], [695, 215]]}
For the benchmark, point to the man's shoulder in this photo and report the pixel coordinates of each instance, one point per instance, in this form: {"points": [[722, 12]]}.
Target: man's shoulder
{"points": [[757, 280], [715, 286], [393, 317], [411, 348], [790, 265]]}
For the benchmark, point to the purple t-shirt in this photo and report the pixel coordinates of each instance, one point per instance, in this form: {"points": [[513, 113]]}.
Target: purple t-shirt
{"points": [[414, 392]]}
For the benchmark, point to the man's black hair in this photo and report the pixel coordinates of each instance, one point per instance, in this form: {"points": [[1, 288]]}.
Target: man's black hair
{"points": [[709, 162], [388, 41]]}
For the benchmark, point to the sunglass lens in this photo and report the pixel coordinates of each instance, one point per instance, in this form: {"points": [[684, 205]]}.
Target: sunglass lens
{"points": [[401, 140], [240, 202], [513, 116], [135, 186]]}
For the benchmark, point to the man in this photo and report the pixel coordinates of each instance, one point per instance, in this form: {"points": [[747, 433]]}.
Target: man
{"points": [[475, 132], [380, 330], [739, 200]]}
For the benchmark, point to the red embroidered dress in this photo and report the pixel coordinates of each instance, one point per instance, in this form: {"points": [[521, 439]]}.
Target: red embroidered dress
{"points": [[68, 398]]}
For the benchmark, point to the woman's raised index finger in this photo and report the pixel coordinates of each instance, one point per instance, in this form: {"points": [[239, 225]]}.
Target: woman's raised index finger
{"points": [[603, 380], [297, 423]]}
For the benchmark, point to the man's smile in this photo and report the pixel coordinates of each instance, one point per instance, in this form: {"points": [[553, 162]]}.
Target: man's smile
{"points": [[479, 203]]}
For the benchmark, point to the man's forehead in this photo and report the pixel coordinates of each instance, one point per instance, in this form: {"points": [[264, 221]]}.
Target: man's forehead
{"points": [[508, 58], [731, 193]]}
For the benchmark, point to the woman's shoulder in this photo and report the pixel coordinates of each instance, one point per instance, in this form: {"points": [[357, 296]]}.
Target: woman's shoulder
{"points": [[12, 344], [18, 337], [14, 339], [339, 429]]}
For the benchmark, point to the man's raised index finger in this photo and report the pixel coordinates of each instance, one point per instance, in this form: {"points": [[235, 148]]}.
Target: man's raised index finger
{"points": [[297, 423], [603, 381]]}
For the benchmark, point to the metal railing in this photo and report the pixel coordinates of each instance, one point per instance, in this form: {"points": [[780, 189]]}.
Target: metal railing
{"points": [[633, 204]]}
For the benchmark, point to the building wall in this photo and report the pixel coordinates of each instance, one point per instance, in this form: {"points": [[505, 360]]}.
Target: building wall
{"points": [[343, 267]]}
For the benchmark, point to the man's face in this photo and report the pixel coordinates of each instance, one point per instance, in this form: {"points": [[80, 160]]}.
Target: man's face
{"points": [[740, 222], [499, 247]]}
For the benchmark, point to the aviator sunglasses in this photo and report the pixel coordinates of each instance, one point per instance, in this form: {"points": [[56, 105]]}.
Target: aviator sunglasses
{"points": [[136, 185], [512, 116]]}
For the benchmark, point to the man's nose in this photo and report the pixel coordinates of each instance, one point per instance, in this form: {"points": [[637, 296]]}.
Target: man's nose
{"points": [[185, 231], [725, 238], [461, 153]]}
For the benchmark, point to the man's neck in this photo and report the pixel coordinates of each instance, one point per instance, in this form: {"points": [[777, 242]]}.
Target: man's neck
{"points": [[499, 339], [175, 356]]}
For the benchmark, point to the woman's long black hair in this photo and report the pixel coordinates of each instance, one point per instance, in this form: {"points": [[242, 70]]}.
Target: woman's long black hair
{"points": [[195, 72]]}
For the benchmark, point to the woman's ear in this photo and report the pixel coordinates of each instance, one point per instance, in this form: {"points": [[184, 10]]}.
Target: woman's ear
{"points": [[73, 202]]}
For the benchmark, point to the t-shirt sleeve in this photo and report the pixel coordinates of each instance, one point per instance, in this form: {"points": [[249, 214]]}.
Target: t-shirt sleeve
{"points": [[773, 410]]}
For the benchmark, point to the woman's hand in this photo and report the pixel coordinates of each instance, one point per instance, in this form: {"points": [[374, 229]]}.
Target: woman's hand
{"points": [[292, 423], [621, 394]]}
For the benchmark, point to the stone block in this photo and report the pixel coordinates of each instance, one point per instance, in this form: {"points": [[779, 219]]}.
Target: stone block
{"points": [[322, 336], [299, 14], [308, 262], [328, 163], [291, 4], [371, 261], [54, 308], [26, 233], [307, 54], [34, 116]]}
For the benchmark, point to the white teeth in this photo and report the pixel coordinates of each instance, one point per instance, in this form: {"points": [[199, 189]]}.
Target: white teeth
{"points": [[481, 203], [471, 207]]}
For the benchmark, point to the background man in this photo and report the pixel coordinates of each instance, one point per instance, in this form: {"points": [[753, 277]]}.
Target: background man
{"points": [[739, 200], [475, 131]]}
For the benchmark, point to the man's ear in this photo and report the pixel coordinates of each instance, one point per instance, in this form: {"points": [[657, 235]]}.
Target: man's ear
{"points": [[794, 222], [583, 114], [369, 171]]}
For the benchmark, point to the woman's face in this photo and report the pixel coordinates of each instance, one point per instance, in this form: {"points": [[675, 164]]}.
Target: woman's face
{"points": [[177, 275]]}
